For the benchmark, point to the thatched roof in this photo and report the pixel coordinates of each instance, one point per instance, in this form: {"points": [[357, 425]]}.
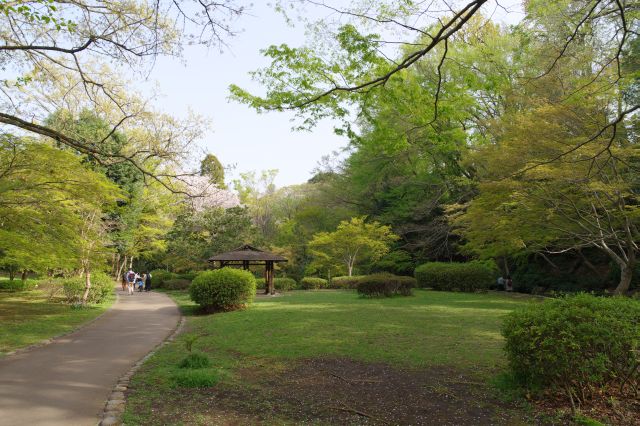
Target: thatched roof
{"points": [[249, 253]]}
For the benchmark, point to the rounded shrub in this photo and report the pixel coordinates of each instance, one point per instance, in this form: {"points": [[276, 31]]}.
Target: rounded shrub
{"points": [[223, 289], [448, 276], [313, 283], [345, 282], [189, 276], [285, 284], [385, 285], [102, 286], [574, 344]]}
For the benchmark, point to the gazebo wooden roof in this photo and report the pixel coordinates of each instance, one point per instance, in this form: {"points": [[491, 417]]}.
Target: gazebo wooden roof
{"points": [[246, 256]]}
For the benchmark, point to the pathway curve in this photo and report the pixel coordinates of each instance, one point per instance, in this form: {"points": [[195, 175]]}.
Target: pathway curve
{"points": [[68, 381]]}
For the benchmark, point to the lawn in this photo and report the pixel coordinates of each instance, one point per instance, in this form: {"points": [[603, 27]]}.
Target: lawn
{"points": [[428, 344], [29, 317]]}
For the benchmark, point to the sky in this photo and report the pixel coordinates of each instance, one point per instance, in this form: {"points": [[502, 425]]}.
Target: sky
{"points": [[241, 138]]}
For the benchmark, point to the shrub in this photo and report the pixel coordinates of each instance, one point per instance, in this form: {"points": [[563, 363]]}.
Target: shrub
{"points": [[195, 360], [223, 289], [189, 276], [574, 344], [313, 283], [285, 284], [385, 285], [101, 287], [469, 276], [159, 276], [176, 284], [17, 285], [345, 282]]}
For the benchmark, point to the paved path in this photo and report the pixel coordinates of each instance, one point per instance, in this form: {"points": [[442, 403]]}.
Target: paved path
{"points": [[68, 381]]}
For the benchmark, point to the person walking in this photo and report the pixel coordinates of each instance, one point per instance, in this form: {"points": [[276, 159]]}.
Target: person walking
{"points": [[508, 283], [131, 278], [147, 282], [123, 282]]}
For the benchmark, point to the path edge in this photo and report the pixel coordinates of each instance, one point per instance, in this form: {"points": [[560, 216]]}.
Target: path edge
{"points": [[116, 402], [54, 339]]}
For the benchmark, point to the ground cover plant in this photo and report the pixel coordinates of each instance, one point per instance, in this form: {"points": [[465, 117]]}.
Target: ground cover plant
{"points": [[28, 317], [313, 356]]}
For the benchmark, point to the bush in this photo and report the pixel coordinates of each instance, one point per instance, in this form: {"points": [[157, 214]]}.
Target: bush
{"points": [[285, 284], [575, 344], [223, 289], [101, 287], [313, 283], [189, 276], [17, 285], [159, 276], [195, 360], [385, 285], [176, 284], [469, 276], [345, 282]]}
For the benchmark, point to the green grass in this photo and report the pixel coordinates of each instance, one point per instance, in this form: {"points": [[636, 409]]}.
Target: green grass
{"points": [[457, 330], [28, 317]]}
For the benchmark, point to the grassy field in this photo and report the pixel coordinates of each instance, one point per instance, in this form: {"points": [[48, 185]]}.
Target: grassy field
{"points": [[28, 317], [456, 333]]}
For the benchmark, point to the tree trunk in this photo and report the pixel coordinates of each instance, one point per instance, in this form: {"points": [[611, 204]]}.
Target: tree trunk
{"points": [[12, 274], [626, 273], [87, 287], [24, 275], [506, 266], [349, 268]]}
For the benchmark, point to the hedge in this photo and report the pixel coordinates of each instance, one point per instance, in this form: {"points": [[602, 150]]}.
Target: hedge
{"points": [[101, 287], [574, 345], [386, 285], [159, 276], [452, 276], [345, 282], [223, 289], [285, 284], [313, 283], [176, 284]]}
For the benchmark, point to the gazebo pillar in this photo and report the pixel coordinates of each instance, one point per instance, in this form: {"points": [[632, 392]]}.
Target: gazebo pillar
{"points": [[269, 287]]}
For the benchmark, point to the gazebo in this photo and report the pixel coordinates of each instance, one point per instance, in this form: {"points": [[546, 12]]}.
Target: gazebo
{"points": [[246, 256]]}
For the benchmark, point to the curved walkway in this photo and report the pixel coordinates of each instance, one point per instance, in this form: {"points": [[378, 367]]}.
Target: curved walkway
{"points": [[68, 381]]}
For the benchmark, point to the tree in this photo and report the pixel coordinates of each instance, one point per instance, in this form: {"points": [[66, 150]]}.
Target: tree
{"points": [[211, 167], [353, 242], [63, 56]]}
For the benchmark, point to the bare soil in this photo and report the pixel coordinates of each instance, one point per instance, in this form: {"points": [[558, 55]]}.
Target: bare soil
{"points": [[344, 392]]}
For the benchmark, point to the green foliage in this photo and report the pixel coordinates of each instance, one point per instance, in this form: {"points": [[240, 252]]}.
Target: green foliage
{"points": [[211, 167], [345, 282], [574, 345], [101, 287], [285, 284], [449, 276], [188, 275], [197, 378], [176, 284], [386, 285], [17, 285], [159, 276], [313, 283], [223, 289], [195, 360]]}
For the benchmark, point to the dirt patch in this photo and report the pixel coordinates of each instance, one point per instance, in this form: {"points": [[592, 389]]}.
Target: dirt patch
{"points": [[342, 391]]}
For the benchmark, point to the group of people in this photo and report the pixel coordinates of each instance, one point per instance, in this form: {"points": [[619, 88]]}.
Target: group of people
{"points": [[132, 280], [505, 284]]}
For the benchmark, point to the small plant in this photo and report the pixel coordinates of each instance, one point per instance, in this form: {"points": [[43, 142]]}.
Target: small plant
{"points": [[313, 283], [285, 284], [198, 378], [189, 340], [195, 360]]}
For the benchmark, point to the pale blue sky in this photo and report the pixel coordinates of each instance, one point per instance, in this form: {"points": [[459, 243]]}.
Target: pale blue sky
{"points": [[239, 135]]}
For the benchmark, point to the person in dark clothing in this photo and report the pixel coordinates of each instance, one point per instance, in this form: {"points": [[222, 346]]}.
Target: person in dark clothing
{"points": [[147, 282]]}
